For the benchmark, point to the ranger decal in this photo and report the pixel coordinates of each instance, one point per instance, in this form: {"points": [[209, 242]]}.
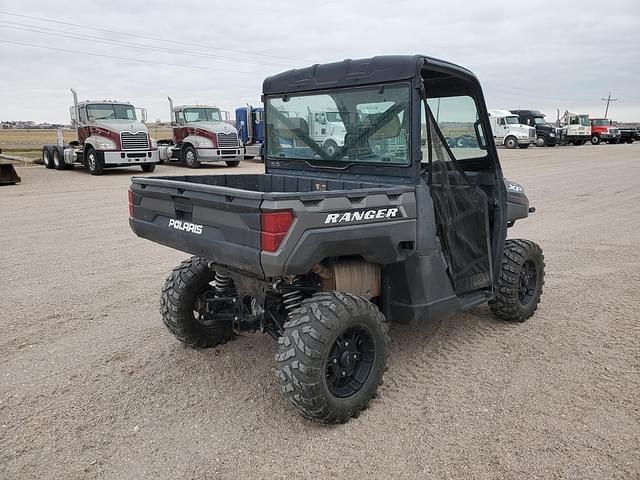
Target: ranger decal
{"points": [[355, 216]]}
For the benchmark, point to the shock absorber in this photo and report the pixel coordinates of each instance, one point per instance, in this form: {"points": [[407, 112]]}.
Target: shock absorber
{"points": [[223, 286], [291, 301]]}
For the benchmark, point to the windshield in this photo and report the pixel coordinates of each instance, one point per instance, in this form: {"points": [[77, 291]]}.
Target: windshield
{"points": [[106, 111], [601, 122], [512, 120], [584, 120], [538, 120], [367, 125], [202, 115]]}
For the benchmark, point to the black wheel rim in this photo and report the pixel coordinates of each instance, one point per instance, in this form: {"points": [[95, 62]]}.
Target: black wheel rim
{"points": [[350, 361], [528, 282]]}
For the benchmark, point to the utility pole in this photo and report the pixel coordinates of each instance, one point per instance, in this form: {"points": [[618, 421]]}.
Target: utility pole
{"points": [[608, 100]]}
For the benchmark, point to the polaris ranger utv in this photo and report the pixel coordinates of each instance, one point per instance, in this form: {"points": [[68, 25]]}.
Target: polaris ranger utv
{"points": [[325, 248]]}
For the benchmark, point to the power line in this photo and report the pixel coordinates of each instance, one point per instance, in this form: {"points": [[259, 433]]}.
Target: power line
{"points": [[608, 100], [129, 59], [60, 33], [157, 39]]}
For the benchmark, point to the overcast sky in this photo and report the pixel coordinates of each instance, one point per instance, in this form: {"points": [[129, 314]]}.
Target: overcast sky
{"points": [[527, 54]]}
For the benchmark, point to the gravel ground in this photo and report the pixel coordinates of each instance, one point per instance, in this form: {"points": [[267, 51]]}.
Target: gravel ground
{"points": [[92, 386]]}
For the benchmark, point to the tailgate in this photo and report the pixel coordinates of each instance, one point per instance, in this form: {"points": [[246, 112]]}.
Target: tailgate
{"points": [[214, 222]]}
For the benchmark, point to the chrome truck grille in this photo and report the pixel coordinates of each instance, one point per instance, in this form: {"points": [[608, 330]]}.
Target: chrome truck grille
{"points": [[614, 131], [134, 141], [227, 140], [532, 134]]}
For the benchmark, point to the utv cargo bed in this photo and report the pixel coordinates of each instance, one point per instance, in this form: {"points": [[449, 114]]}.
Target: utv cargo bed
{"points": [[226, 218]]}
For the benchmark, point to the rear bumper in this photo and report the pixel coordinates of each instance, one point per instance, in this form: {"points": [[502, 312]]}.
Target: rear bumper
{"points": [[220, 154], [130, 157]]}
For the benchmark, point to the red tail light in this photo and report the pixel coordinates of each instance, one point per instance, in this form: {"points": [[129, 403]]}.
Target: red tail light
{"points": [[274, 226], [130, 197]]}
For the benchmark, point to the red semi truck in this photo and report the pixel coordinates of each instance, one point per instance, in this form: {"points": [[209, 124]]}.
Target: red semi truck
{"points": [[109, 135]]}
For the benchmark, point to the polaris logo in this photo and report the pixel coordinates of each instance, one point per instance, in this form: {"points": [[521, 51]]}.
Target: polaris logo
{"points": [[379, 214], [185, 226]]}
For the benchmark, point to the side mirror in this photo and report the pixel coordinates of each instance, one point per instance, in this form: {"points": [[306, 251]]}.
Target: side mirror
{"points": [[92, 119], [242, 123], [174, 124], [143, 111]]}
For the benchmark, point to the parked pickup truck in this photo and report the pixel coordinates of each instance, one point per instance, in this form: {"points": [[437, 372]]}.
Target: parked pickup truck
{"points": [[328, 245]]}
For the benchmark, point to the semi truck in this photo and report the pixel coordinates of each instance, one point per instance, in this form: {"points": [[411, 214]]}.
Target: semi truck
{"points": [[324, 249], [109, 135], [602, 130], [546, 135], [200, 135], [508, 131], [576, 128], [250, 127]]}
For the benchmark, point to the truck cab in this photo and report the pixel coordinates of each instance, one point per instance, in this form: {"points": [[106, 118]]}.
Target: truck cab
{"points": [[602, 130], [110, 134], [546, 135], [201, 134], [250, 126], [576, 128], [508, 131]]}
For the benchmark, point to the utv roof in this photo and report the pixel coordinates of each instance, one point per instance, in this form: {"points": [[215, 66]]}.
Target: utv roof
{"points": [[349, 73]]}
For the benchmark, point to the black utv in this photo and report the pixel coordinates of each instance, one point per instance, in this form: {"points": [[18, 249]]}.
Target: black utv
{"points": [[327, 247]]}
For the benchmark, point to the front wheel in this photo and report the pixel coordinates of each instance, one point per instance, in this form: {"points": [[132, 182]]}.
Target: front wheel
{"points": [[332, 355], [511, 142], [540, 142], [330, 147], [521, 281], [94, 163], [148, 167], [595, 140], [232, 163], [190, 157]]}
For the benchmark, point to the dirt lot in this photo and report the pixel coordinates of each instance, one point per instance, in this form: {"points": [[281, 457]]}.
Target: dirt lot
{"points": [[92, 386]]}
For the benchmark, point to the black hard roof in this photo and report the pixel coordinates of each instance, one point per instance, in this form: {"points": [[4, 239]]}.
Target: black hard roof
{"points": [[527, 112], [349, 73]]}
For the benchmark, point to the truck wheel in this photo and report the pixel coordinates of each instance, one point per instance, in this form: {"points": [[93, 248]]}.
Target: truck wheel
{"points": [[58, 158], [521, 281], [524, 145], [330, 147], [332, 355], [540, 142], [511, 142], [94, 163], [595, 140], [183, 311], [190, 157], [148, 167], [232, 163], [47, 156]]}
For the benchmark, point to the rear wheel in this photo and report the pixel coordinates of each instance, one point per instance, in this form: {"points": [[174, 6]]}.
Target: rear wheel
{"points": [[148, 167], [190, 157], [232, 163], [511, 142], [47, 156], [184, 305], [332, 355], [521, 281], [58, 158], [94, 163]]}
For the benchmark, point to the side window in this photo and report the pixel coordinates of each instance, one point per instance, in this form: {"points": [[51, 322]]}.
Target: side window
{"points": [[180, 117], [456, 118], [83, 115]]}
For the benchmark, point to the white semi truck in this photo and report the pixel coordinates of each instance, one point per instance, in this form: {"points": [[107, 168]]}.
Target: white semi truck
{"points": [[200, 135], [508, 131], [109, 135], [576, 128]]}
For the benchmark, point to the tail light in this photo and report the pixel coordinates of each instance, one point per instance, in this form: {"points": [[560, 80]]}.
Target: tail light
{"points": [[274, 226], [130, 197]]}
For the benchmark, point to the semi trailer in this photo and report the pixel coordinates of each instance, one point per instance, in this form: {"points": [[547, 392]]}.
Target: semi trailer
{"points": [[250, 126], [200, 135], [109, 135], [576, 128], [508, 131], [546, 135]]}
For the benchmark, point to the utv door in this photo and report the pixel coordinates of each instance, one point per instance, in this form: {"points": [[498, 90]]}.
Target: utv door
{"points": [[461, 186]]}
